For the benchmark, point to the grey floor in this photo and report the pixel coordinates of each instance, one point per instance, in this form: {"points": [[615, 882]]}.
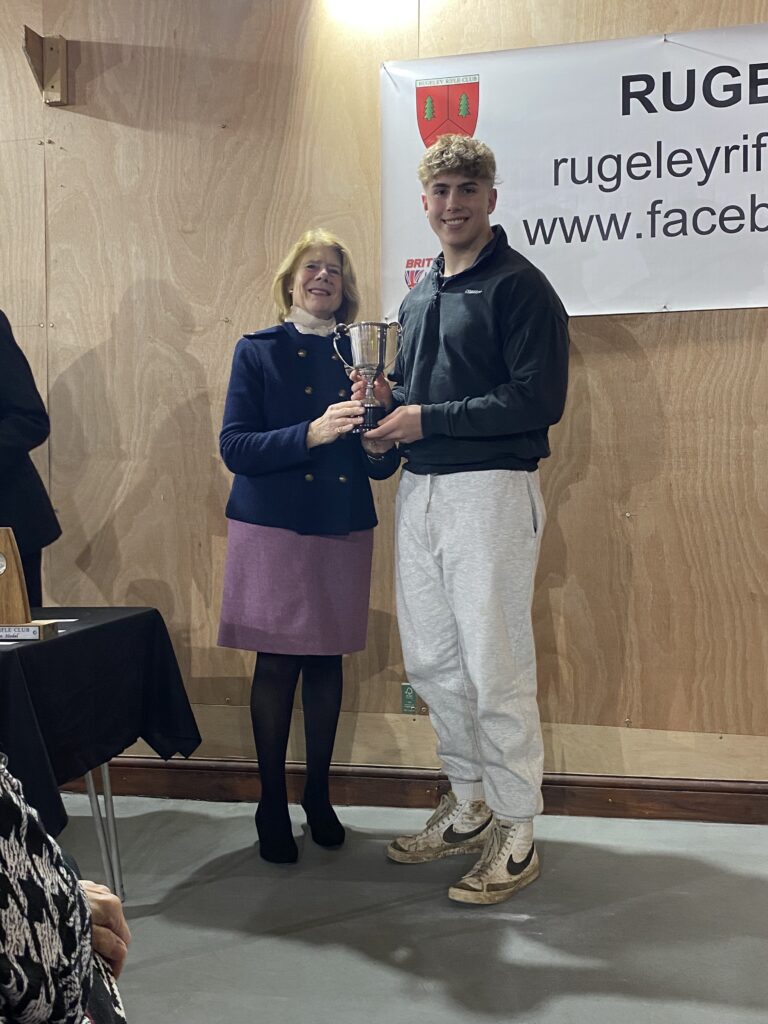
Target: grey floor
{"points": [[631, 923]]}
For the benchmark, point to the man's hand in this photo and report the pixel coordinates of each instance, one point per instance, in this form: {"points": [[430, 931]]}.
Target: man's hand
{"points": [[375, 447], [404, 425], [381, 389], [111, 935]]}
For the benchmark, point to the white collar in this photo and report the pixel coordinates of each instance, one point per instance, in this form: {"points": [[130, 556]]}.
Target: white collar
{"points": [[305, 323]]}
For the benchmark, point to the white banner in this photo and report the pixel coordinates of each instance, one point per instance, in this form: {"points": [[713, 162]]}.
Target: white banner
{"points": [[634, 173]]}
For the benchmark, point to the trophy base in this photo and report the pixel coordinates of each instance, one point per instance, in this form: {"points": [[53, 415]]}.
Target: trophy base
{"points": [[371, 416], [37, 629]]}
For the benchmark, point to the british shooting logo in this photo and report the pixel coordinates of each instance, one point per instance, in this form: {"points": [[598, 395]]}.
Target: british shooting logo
{"points": [[415, 268], [447, 106]]}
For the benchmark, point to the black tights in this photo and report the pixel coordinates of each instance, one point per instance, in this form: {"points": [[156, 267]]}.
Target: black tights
{"points": [[272, 693]]}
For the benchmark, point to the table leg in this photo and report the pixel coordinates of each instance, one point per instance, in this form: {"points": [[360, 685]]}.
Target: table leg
{"points": [[98, 823], [114, 849]]}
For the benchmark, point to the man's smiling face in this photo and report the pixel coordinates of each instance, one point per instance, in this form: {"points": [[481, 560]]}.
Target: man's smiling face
{"points": [[458, 209]]}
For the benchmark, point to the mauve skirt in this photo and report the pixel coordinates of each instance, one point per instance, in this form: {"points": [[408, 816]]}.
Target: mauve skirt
{"points": [[286, 593]]}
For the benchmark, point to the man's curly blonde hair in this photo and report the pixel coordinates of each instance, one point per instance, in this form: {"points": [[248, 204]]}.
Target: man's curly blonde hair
{"points": [[457, 154]]}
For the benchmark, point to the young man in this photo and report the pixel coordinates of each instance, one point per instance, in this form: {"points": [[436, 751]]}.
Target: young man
{"points": [[481, 377]]}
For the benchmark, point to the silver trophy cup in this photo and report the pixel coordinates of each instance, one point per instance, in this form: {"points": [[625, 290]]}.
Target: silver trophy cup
{"points": [[370, 343]]}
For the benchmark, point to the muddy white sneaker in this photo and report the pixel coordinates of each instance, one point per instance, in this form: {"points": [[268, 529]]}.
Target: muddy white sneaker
{"points": [[456, 827], [508, 863]]}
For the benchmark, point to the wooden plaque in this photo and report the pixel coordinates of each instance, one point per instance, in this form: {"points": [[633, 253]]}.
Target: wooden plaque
{"points": [[14, 603]]}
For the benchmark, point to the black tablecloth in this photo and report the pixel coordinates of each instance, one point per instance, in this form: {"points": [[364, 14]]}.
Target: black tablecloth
{"points": [[70, 703]]}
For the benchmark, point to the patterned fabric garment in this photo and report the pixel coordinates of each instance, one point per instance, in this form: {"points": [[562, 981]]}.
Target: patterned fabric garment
{"points": [[45, 935], [104, 1005]]}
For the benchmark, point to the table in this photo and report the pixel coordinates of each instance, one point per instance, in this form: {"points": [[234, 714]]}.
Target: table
{"points": [[70, 703]]}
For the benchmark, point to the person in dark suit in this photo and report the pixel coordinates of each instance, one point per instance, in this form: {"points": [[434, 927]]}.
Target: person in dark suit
{"points": [[24, 502], [300, 531]]}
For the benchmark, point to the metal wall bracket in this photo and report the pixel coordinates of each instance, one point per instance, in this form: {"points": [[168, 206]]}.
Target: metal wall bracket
{"points": [[47, 56]]}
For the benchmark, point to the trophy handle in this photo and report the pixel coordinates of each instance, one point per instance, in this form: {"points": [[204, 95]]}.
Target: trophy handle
{"points": [[399, 326], [339, 332]]}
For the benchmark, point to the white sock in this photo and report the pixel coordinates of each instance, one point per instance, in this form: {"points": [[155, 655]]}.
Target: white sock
{"points": [[468, 790]]}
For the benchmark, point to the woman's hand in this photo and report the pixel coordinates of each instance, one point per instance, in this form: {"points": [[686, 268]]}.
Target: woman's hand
{"points": [[337, 419], [111, 935], [381, 389]]}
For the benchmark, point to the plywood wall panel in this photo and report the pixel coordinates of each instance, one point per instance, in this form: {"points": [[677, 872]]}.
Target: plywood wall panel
{"points": [[196, 148], [202, 138], [22, 219], [22, 172], [373, 677], [476, 26], [651, 602], [22, 197], [409, 742], [21, 104], [650, 608]]}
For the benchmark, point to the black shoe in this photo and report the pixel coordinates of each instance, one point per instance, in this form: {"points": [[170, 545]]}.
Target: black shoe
{"points": [[276, 842], [325, 827]]}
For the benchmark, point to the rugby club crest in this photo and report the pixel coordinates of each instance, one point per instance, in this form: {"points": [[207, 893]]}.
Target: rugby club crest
{"points": [[447, 106]]}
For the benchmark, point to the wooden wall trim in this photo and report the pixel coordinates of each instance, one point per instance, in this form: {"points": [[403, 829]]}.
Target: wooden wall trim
{"points": [[587, 795], [389, 738]]}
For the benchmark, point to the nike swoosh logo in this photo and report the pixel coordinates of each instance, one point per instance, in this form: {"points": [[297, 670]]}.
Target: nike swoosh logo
{"points": [[450, 836], [515, 867]]}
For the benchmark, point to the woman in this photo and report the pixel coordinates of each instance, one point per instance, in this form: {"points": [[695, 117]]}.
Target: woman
{"points": [[62, 941], [24, 503], [300, 534]]}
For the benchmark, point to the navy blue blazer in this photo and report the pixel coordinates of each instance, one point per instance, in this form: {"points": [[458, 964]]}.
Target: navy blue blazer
{"points": [[282, 380], [24, 502]]}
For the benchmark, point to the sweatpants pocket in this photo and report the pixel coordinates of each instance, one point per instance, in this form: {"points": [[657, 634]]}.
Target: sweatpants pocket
{"points": [[537, 503]]}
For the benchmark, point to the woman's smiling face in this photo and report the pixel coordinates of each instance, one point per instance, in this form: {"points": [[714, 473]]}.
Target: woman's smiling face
{"points": [[317, 283]]}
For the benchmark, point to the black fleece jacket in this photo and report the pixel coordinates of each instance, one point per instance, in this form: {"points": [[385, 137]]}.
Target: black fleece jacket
{"points": [[485, 355]]}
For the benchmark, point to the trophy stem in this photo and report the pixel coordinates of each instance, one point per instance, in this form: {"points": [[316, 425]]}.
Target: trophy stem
{"points": [[372, 414], [373, 411]]}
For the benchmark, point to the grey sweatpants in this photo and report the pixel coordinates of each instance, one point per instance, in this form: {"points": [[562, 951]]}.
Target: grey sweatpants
{"points": [[467, 545]]}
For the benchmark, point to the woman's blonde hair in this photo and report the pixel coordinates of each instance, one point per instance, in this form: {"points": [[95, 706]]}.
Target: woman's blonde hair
{"points": [[458, 154], [283, 282]]}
